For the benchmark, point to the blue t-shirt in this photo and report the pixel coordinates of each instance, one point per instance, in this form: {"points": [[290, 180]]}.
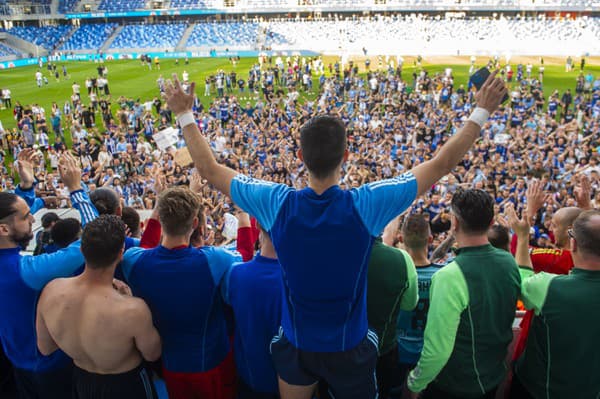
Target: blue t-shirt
{"points": [[253, 289], [324, 242], [411, 325], [182, 289]]}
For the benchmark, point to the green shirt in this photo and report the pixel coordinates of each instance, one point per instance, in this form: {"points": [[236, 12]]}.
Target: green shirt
{"points": [[391, 286], [469, 324], [562, 359]]}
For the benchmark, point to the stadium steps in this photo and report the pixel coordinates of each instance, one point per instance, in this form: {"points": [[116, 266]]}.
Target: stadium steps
{"points": [[184, 38], [24, 46], [66, 37], [111, 39]]}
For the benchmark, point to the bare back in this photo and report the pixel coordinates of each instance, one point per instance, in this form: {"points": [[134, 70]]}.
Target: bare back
{"points": [[93, 324]]}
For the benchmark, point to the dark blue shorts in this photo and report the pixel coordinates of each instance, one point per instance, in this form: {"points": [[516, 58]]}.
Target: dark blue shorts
{"points": [[349, 374]]}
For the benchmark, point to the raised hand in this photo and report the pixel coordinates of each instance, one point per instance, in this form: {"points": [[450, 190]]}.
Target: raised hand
{"points": [[520, 226], [25, 162], [69, 171], [196, 182], [178, 100], [491, 93], [582, 192], [535, 198]]}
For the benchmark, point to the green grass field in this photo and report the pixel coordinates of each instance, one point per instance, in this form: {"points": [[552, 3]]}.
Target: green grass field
{"points": [[128, 78]]}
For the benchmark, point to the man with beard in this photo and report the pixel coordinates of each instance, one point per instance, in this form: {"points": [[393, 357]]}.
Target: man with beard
{"points": [[23, 278]]}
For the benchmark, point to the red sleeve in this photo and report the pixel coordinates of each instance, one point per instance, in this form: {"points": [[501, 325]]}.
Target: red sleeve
{"points": [[152, 233], [513, 244], [549, 260], [245, 243]]}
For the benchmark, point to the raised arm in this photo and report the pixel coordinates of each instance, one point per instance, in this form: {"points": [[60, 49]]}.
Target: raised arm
{"points": [[488, 98], [70, 174], [25, 189], [181, 104]]}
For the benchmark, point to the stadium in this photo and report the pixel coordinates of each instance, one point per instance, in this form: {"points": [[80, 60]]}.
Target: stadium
{"points": [[299, 199]]}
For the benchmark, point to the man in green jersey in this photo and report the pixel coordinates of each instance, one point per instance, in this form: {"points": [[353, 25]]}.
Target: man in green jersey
{"points": [[561, 358], [472, 307]]}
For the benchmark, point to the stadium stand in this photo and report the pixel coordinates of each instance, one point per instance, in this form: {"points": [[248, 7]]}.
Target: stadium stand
{"points": [[188, 4], [89, 37], [233, 34], [419, 29], [6, 51], [48, 36], [121, 5], [65, 6], [149, 36]]}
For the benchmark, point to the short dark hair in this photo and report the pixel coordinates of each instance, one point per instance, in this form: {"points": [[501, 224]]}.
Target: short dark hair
{"points": [[323, 143], [474, 209], [131, 218], [587, 233], [499, 237], [416, 231], [105, 200], [102, 241], [7, 204], [48, 219], [177, 208], [65, 231]]}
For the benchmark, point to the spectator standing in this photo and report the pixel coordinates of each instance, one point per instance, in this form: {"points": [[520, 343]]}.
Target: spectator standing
{"points": [[472, 308]]}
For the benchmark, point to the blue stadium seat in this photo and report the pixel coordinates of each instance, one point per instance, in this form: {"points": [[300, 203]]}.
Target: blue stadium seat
{"points": [[223, 34], [121, 5], [155, 36], [6, 51], [89, 37], [47, 37], [188, 4], [65, 6]]}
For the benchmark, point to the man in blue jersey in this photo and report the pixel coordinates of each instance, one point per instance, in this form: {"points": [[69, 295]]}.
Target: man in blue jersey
{"points": [[182, 286], [323, 237], [253, 289], [416, 237], [21, 281]]}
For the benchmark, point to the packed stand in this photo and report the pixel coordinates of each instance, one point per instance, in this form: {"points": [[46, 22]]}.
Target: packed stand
{"points": [[461, 164], [189, 4]]}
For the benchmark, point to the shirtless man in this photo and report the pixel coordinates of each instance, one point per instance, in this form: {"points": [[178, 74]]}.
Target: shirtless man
{"points": [[95, 320]]}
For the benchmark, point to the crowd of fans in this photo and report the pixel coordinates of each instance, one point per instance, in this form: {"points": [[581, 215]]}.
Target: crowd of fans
{"points": [[535, 156]]}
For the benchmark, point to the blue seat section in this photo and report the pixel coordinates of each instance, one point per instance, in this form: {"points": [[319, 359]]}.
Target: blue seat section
{"points": [[154, 36], [223, 34], [65, 6], [188, 4], [89, 37], [5, 50], [47, 37], [121, 5]]}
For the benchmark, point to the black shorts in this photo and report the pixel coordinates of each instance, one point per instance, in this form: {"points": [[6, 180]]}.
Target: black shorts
{"points": [[133, 384], [52, 384], [349, 374]]}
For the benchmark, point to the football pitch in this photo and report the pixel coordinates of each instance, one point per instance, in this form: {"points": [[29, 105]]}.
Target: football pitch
{"points": [[130, 79]]}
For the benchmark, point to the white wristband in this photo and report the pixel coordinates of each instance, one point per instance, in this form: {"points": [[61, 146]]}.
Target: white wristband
{"points": [[185, 119], [479, 116]]}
